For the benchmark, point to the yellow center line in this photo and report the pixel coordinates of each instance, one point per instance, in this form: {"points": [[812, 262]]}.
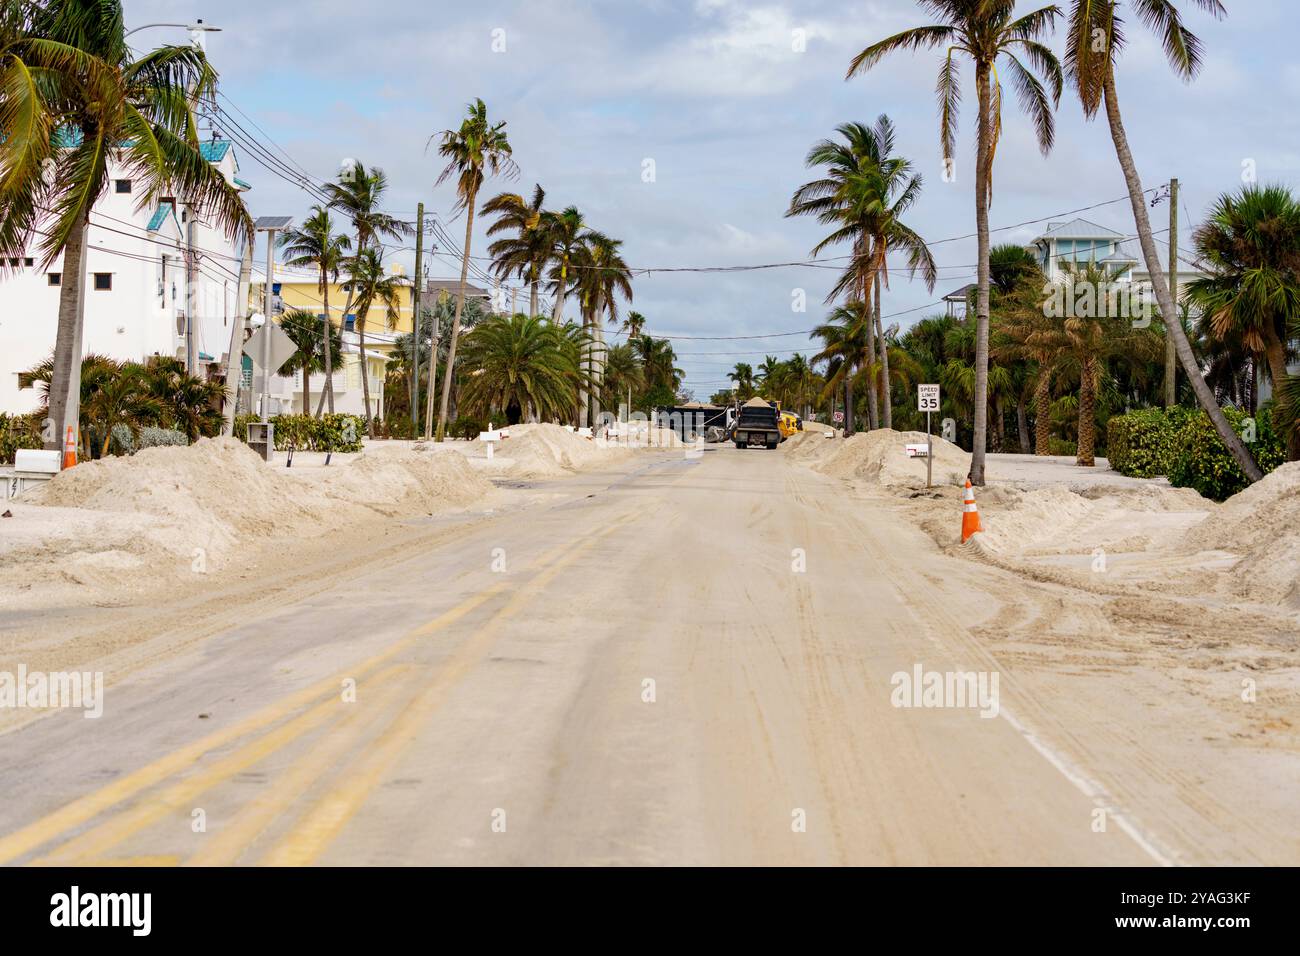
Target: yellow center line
{"points": [[96, 842], [86, 808], [324, 821], [224, 846]]}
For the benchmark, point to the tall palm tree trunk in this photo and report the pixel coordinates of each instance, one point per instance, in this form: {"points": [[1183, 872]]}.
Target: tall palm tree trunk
{"points": [[873, 409], [1022, 427], [886, 399], [1043, 414], [455, 322], [848, 399], [981, 397], [532, 296], [1087, 414], [365, 375], [65, 377], [306, 387], [1137, 198], [329, 362]]}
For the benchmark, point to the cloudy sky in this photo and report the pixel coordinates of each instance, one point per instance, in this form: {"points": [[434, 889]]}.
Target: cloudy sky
{"points": [[716, 95]]}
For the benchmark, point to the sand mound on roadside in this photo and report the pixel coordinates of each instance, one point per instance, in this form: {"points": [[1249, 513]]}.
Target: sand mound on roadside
{"points": [[544, 450], [881, 456], [1262, 524], [216, 493], [809, 447]]}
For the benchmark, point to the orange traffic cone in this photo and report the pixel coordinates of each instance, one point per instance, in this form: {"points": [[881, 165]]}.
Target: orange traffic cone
{"points": [[970, 518], [70, 448]]}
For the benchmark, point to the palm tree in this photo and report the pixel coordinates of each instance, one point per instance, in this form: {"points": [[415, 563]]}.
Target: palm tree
{"points": [[358, 194], [986, 31], [848, 344], [522, 364], [565, 233], [604, 276], [316, 338], [659, 362], [633, 324], [1090, 64], [190, 404], [371, 287], [623, 375], [314, 245], [524, 254], [77, 107], [743, 376], [1250, 245], [478, 148], [864, 195]]}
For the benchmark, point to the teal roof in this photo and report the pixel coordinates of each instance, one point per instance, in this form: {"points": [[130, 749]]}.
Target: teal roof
{"points": [[215, 152], [164, 210], [240, 182]]}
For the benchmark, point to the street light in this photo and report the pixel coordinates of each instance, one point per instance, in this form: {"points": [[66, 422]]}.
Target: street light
{"points": [[197, 31], [269, 225]]}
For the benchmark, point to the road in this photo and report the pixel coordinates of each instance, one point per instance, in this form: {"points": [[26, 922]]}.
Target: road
{"points": [[688, 661]]}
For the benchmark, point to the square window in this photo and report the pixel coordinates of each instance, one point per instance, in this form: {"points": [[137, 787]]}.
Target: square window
{"points": [[103, 282], [29, 262], [122, 186], [13, 263], [54, 278]]}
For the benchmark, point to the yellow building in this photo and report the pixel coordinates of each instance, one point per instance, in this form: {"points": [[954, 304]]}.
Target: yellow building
{"points": [[299, 290]]}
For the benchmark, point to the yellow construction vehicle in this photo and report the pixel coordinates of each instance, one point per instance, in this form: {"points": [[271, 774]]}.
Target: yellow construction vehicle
{"points": [[789, 423]]}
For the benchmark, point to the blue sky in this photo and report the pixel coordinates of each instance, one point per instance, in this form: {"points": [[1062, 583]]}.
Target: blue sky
{"points": [[715, 94]]}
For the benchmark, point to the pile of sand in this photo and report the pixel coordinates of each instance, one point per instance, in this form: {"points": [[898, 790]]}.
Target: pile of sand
{"points": [[544, 450], [810, 447], [1262, 525], [167, 505], [881, 456]]}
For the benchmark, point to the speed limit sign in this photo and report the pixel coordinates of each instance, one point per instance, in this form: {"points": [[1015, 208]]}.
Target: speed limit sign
{"points": [[927, 398]]}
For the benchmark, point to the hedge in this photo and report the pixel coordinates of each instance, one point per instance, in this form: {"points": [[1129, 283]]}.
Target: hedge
{"points": [[1141, 444], [19, 431], [337, 433], [1182, 444], [1201, 460], [128, 442]]}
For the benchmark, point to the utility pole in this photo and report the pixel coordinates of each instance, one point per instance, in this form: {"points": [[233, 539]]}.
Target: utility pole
{"points": [[1171, 358], [189, 289], [433, 368], [415, 323], [235, 357]]}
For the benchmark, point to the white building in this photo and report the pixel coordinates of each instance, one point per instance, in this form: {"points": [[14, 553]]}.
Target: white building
{"points": [[1077, 243], [135, 286]]}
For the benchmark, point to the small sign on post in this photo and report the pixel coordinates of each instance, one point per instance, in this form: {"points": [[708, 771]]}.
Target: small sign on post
{"points": [[927, 400]]}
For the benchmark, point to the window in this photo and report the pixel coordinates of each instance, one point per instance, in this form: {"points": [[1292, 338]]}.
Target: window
{"points": [[350, 324], [13, 263], [103, 282], [122, 186], [54, 278], [29, 262]]}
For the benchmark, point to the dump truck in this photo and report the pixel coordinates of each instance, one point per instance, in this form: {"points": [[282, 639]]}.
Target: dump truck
{"points": [[757, 423]]}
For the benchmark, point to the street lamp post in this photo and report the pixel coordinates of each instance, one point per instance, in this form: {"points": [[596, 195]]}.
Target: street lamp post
{"points": [[197, 31], [269, 225]]}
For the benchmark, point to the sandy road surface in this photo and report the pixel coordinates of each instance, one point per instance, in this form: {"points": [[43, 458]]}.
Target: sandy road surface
{"points": [[686, 661]]}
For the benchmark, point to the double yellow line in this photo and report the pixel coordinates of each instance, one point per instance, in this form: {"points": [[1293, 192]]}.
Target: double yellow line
{"points": [[327, 817]]}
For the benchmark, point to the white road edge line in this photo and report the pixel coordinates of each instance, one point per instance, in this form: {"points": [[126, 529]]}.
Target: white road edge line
{"points": [[1090, 789]]}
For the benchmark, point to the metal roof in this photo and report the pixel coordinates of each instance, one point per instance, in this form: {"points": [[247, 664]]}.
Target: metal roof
{"points": [[1078, 229], [164, 210]]}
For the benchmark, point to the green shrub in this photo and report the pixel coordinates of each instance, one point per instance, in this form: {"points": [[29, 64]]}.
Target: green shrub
{"points": [[337, 433], [1201, 461], [467, 427], [160, 437], [1141, 444], [1059, 446], [19, 431]]}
